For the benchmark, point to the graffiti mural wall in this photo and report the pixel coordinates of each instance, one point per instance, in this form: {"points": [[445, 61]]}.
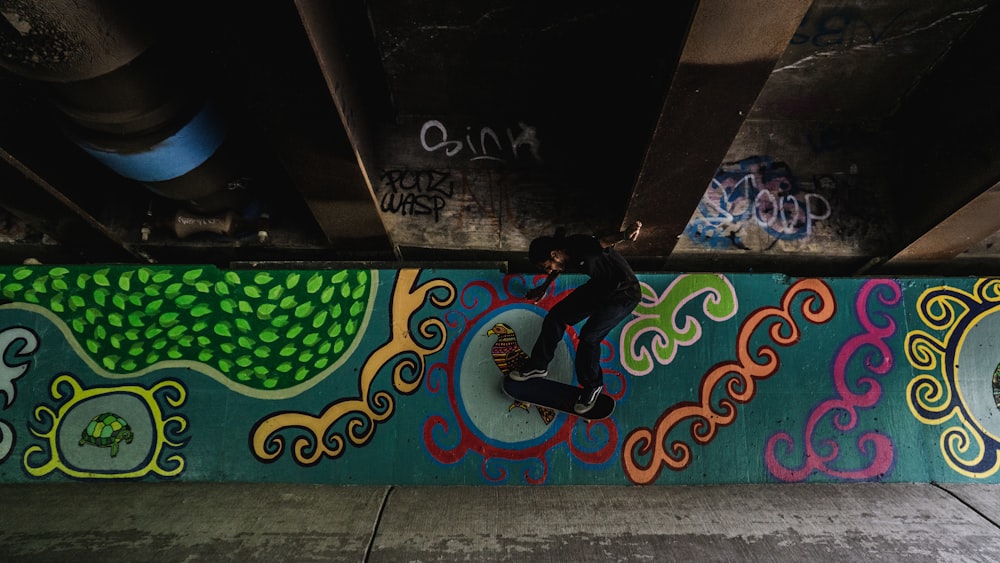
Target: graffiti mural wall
{"points": [[394, 377]]}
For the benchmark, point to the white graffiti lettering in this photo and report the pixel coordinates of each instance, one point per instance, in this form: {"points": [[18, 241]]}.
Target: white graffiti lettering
{"points": [[755, 192], [434, 137]]}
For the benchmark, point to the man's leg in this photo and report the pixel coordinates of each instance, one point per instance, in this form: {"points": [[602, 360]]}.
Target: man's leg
{"points": [[571, 310], [588, 353]]}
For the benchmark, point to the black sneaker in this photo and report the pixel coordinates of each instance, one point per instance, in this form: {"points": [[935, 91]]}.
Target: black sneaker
{"points": [[587, 400], [518, 375]]}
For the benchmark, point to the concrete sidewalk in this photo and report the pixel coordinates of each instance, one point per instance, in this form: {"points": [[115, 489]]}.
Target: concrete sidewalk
{"points": [[265, 522]]}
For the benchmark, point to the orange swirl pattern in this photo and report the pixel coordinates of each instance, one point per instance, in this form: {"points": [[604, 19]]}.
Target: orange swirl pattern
{"points": [[738, 378], [364, 412]]}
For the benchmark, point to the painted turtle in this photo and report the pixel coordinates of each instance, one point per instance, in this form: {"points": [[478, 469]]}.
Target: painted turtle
{"points": [[106, 431]]}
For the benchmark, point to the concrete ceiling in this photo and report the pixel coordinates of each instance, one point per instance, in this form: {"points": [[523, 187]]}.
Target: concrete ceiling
{"points": [[808, 138]]}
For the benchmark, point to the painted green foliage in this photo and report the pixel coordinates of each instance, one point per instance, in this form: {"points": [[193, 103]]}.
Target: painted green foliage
{"points": [[262, 329]]}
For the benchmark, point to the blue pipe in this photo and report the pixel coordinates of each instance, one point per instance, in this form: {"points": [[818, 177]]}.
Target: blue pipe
{"points": [[172, 157]]}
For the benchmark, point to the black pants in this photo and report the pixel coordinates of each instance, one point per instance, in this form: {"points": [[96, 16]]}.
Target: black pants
{"points": [[605, 312]]}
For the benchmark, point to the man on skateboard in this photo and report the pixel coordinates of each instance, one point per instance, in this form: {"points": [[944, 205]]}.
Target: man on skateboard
{"points": [[611, 293]]}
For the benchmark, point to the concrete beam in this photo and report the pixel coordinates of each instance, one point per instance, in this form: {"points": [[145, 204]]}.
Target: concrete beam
{"points": [[324, 24], [972, 223], [949, 173], [729, 53]]}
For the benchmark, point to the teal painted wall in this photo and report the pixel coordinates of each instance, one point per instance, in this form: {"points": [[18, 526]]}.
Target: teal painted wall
{"points": [[389, 377]]}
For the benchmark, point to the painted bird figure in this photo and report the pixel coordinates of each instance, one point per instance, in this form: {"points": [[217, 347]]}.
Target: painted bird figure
{"points": [[507, 355]]}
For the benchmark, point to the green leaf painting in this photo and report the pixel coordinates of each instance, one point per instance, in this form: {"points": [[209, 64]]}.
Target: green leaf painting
{"points": [[267, 330]]}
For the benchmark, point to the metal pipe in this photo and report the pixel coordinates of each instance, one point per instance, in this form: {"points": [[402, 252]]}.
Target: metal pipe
{"points": [[129, 97]]}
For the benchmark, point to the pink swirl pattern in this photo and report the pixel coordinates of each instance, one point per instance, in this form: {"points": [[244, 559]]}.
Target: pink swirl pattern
{"points": [[822, 454], [647, 451]]}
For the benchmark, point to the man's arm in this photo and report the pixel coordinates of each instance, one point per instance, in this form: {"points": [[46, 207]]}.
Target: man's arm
{"points": [[632, 233], [537, 293]]}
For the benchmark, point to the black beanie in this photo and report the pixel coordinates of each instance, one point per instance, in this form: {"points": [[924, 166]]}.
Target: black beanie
{"points": [[541, 249]]}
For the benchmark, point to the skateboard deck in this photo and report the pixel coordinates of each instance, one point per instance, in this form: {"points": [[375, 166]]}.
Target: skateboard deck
{"points": [[556, 395]]}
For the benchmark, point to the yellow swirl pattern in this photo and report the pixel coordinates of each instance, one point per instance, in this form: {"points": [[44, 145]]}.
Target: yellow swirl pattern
{"points": [[364, 412], [933, 395], [78, 394]]}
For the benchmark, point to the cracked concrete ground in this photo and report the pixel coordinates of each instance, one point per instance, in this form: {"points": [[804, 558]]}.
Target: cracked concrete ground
{"points": [[272, 522]]}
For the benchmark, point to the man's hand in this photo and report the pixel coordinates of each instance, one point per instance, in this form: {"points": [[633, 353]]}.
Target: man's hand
{"points": [[633, 232], [535, 295]]}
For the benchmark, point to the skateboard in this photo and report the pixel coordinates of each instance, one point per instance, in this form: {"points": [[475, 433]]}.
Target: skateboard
{"points": [[555, 395]]}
